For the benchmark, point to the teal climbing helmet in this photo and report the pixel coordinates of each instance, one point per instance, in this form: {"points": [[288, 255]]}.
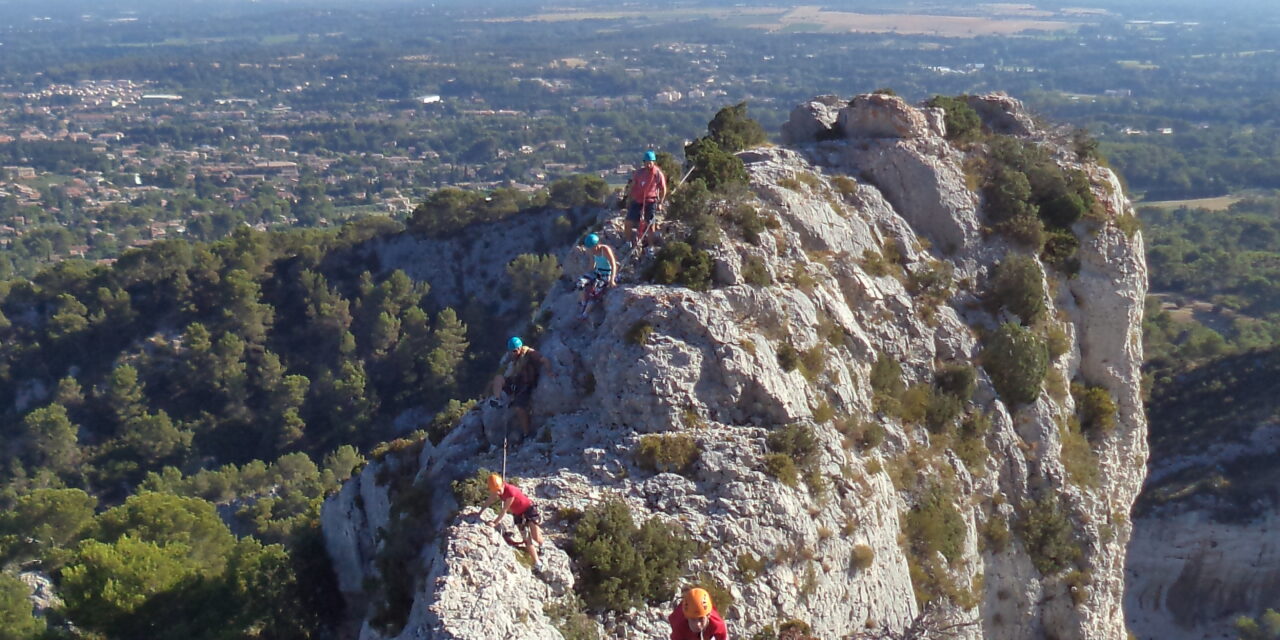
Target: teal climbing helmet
{"points": [[650, 156], [514, 343], [591, 240]]}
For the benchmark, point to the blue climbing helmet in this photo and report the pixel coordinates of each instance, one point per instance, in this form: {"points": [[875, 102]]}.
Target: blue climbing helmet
{"points": [[650, 156], [591, 240], [514, 343]]}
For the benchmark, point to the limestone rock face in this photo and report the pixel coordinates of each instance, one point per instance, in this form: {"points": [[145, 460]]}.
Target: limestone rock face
{"points": [[813, 120], [1191, 577], [877, 115], [864, 222], [1198, 559], [1002, 114]]}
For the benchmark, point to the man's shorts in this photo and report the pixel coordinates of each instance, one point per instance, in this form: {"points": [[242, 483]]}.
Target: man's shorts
{"points": [[518, 396], [633, 211], [530, 516]]}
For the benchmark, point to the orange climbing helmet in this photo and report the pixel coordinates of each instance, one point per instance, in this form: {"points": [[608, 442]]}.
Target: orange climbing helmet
{"points": [[697, 603], [495, 483]]}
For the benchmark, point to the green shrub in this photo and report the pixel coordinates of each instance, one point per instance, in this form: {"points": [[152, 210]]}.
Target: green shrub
{"points": [[941, 411], [667, 453], [932, 282], [750, 567], [1096, 408], [846, 186], [1027, 231], [813, 181], [577, 191], [959, 380], [962, 121], [754, 272], [1078, 457], [447, 419], [569, 618], [887, 386], [1128, 224], [704, 232], [971, 447], [472, 491], [620, 565], [530, 276], [1018, 285], [15, 611], [1078, 583], [995, 533], [788, 357], [823, 413], [714, 165], [862, 557], [733, 130], [691, 200], [790, 183], [813, 361], [750, 223], [795, 440], [1008, 195], [782, 467], [1017, 362], [639, 333], [914, 404], [934, 526], [679, 263], [862, 434], [874, 263], [1059, 249], [1057, 340], [1047, 533]]}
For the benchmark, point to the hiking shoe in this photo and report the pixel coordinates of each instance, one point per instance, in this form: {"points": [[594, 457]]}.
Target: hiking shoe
{"points": [[537, 568]]}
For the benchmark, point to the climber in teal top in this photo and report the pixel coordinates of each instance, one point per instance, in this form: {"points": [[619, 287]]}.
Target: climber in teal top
{"points": [[603, 275]]}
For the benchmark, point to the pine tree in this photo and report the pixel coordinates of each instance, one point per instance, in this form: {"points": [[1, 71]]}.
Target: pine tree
{"points": [[49, 439], [449, 348]]}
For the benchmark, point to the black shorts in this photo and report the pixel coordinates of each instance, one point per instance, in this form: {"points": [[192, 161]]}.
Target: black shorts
{"points": [[530, 516], [518, 395], [634, 208]]}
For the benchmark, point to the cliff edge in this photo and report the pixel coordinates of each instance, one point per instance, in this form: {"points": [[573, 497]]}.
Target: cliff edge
{"points": [[876, 317]]}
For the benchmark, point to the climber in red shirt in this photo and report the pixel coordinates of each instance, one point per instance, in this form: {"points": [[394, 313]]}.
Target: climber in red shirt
{"points": [[522, 510], [696, 619], [645, 193]]}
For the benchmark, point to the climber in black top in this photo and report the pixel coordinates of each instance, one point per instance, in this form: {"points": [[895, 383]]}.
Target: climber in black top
{"points": [[520, 369]]}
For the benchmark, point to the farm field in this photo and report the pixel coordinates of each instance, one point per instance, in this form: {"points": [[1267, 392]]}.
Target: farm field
{"points": [[985, 20]]}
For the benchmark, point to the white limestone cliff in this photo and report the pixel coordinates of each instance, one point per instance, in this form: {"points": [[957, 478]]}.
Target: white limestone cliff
{"points": [[880, 170]]}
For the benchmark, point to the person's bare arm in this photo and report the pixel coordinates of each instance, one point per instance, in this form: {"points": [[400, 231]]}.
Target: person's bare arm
{"points": [[506, 506], [613, 265]]}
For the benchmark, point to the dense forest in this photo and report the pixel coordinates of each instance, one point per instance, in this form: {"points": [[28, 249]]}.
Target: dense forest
{"points": [[182, 413]]}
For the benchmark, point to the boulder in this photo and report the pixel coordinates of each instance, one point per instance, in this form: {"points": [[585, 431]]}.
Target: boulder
{"points": [[813, 120], [1002, 114], [878, 115]]}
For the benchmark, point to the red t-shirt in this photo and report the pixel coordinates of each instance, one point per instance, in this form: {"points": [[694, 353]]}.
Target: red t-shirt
{"points": [[521, 502], [715, 629], [648, 184]]}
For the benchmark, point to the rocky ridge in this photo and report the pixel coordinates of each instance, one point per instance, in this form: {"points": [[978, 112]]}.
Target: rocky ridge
{"points": [[856, 179]]}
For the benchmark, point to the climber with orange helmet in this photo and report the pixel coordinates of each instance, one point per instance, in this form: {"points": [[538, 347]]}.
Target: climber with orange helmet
{"points": [[697, 619], [523, 512]]}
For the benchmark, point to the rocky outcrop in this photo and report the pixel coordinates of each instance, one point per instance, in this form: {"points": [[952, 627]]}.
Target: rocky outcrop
{"points": [[877, 115], [863, 221], [813, 120], [1002, 114], [1190, 576]]}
